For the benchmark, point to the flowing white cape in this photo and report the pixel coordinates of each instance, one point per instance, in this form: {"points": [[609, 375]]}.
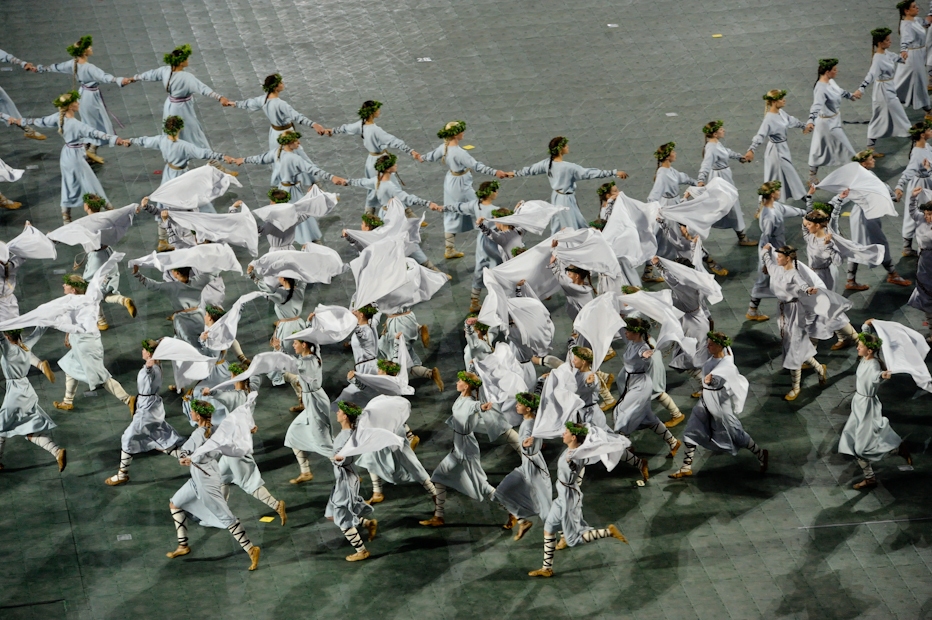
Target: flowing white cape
{"points": [[735, 383], [904, 351], [97, 229], [317, 202], [395, 224], [8, 174], [624, 236], [706, 207], [315, 263], [533, 216], [378, 270], [207, 258], [420, 285], [531, 266], [331, 324], [232, 228], [263, 364], [377, 426], [587, 248], [188, 365], [30, 243], [643, 215], [659, 307], [868, 191], [387, 384], [501, 374], [696, 278], [558, 403], [222, 333], [604, 445], [598, 322], [193, 189], [74, 314], [233, 437]]}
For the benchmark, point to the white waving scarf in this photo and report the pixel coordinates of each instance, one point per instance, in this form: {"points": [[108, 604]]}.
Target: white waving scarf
{"points": [[735, 383], [193, 189], [233, 437], [866, 190], [420, 285], [533, 322], [532, 266], [623, 236], [222, 333], [30, 243], [72, 314], [8, 174], [872, 255], [395, 223], [317, 202], [330, 325], [387, 384], [588, 249], [501, 374], [207, 258], [494, 310], [644, 217], [188, 365], [598, 322], [659, 307], [533, 216], [385, 412], [263, 364], [280, 216], [96, 284], [699, 213], [559, 402], [824, 303], [904, 351], [378, 270], [603, 445], [315, 263], [365, 440], [97, 229], [232, 228], [695, 278]]}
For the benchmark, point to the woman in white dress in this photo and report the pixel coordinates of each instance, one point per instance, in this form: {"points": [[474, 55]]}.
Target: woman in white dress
{"points": [[667, 179], [715, 156], [830, 146], [888, 118], [912, 76], [778, 164]]}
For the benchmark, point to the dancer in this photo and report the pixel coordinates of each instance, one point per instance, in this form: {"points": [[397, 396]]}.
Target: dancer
{"points": [[184, 291], [20, 413], [830, 145], [918, 173], [576, 283], [94, 110], [912, 76], [201, 497], [778, 165], [7, 107], [921, 299], [457, 185], [563, 176], [404, 322], [148, 430], [888, 118], [77, 178], [714, 422], [385, 185], [345, 507], [667, 179], [310, 431], [715, 156], [509, 239], [867, 435]]}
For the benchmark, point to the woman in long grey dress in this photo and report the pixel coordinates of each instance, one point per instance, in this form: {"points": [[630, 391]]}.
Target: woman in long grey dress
{"points": [[830, 146], [778, 164], [20, 413], [563, 176], [912, 76], [310, 431], [201, 497], [918, 173], [566, 510], [345, 507], [921, 298], [888, 118], [867, 435], [7, 107], [148, 430], [667, 179], [715, 157]]}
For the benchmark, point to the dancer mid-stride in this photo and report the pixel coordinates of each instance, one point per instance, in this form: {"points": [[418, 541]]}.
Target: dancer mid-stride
{"points": [[778, 165]]}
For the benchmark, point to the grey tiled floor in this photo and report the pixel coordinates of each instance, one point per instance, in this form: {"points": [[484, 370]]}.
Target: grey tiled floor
{"points": [[798, 543]]}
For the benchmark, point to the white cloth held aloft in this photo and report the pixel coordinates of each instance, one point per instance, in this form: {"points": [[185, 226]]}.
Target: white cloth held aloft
{"points": [[501, 374], [30, 243], [330, 325], [207, 258], [238, 229], [865, 189], [97, 229], [315, 263], [378, 270], [188, 365], [233, 437], [587, 248], [599, 322], [559, 402], [705, 208], [604, 445], [904, 351], [222, 333], [420, 285], [193, 189], [387, 384], [263, 364], [533, 216], [695, 277]]}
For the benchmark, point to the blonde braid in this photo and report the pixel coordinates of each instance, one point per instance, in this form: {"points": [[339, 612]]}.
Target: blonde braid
{"points": [[61, 119]]}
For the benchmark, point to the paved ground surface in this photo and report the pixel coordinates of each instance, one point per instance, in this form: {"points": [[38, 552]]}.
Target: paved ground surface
{"points": [[798, 543]]}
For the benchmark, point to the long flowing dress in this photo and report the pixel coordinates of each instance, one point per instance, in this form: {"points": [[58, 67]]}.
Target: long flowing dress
{"points": [[823, 257], [914, 175], [149, 430], [6, 103], [566, 510], [527, 490], [457, 185], [85, 360], [310, 430], [365, 346], [20, 413], [772, 231], [714, 425], [921, 298], [778, 164], [830, 146], [487, 252], [461, 469], [376, 141], [714, 166], [345, 506], [180, 88], [176, 153], [888, 118], [695, 322], [563, 176], [94, 110], [666, 189], [867, 433], [201, 497], [911, 76], [787, 285], [633, 410]]}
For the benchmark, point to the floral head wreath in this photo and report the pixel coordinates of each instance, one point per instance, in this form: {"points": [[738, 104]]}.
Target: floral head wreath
{"points": [[367, 311], [502, 212], [389, 367], [368, 109], [278, 196], [215, 312], [289, 137], [451, 130], [235, 369], [583, 353], [664, 151], [902, 5], [558, 147], [13, 332], [577, 429], [870, 341], [173, 125], [818, 215], [202, 408], [469, 379], [826, 64], [75, 281], [385, 162], [80, 46], [712, 127], [822, 206], [487, 189], [350, 409], [529, 400], [774, 95], [150, 345], [598, 224], [177, 55], [65, 100], [879, 34], [638, 326], [372, 221], [95, 202], [630, 290], [768, 189], [272, 82], [518, 251], [916, 131], [863, 156], [720, 339], [605, 189]]}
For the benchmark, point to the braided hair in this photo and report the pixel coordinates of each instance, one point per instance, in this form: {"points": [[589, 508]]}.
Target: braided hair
{"points": [[790, 252], [555, 147]]}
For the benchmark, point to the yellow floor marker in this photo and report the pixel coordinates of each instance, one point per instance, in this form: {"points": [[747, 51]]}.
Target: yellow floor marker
{"points": [[266, 519], [468, 147]]}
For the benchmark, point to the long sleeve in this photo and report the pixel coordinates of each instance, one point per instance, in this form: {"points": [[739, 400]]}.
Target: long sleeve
{"points": [[705, 169], [463, 208], [146, 142], [411, 200], [473, 164], [193, 151], [794, 123], [818, 102], [49, 121], [153, 75], [101, 76], [685, 179], [349, 129], [294, 115], [388, 141], [760, 136], [435, 155], [540, 167], [582, 174], [66, 66], [495, 235], [10, 58], [366, 183], [253, 105], [914, 211], [266, 158], [313, 169]]}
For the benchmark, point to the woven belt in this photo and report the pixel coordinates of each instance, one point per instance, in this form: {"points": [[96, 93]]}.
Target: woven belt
{"points": [[283, 127], [886, 80], [155, 394], [174, 167], [382, 152], [76, 146], [460, 173], [562, 193], [180, 99], [915, 48], [720, 167], [777, 141], [288, 184], [832, 116], [90, 88], [279, 321]]}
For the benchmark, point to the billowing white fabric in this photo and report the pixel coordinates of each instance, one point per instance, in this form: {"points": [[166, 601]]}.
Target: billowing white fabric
{"points": [[188, 365], [708, 205], [644, 217], [317, 202], [263, 364], [386, 412], [222, 333], [387, 384], [533, 216], [378, 270], [904, 351], [8, 174], [864, 254], [193, 189], [315, 263], [238, 229], [598, 322], [823, 303], [207, 258], [865, 189], [494, 310], [95, 286], [330, 325], [97, 229], [735, 383], [659, 307], [395, 223], [420, 285], [365, 440], [623, 236], [532, 266], [533, 323], [72, 314], [603, 445], [697, 278], [587, 248], [233, 437], [30, 243], [558, 403], [280, 216], [501, 374]]}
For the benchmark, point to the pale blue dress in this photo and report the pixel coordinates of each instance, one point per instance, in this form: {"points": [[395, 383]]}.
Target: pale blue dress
{"points": [[563, 176], [310, 430], [20, 413], [778, 164], [487, 251], [713, 423], [462, 469], [375, 140], [345, 506], [149, 430], [527, 490], [180, 88], [566, 510], [457, 185], [201, 497], [93, 110], [867, 434]]}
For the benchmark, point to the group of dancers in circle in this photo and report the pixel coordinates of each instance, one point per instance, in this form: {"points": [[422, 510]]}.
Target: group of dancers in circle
{"points": [[510, 377]]}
